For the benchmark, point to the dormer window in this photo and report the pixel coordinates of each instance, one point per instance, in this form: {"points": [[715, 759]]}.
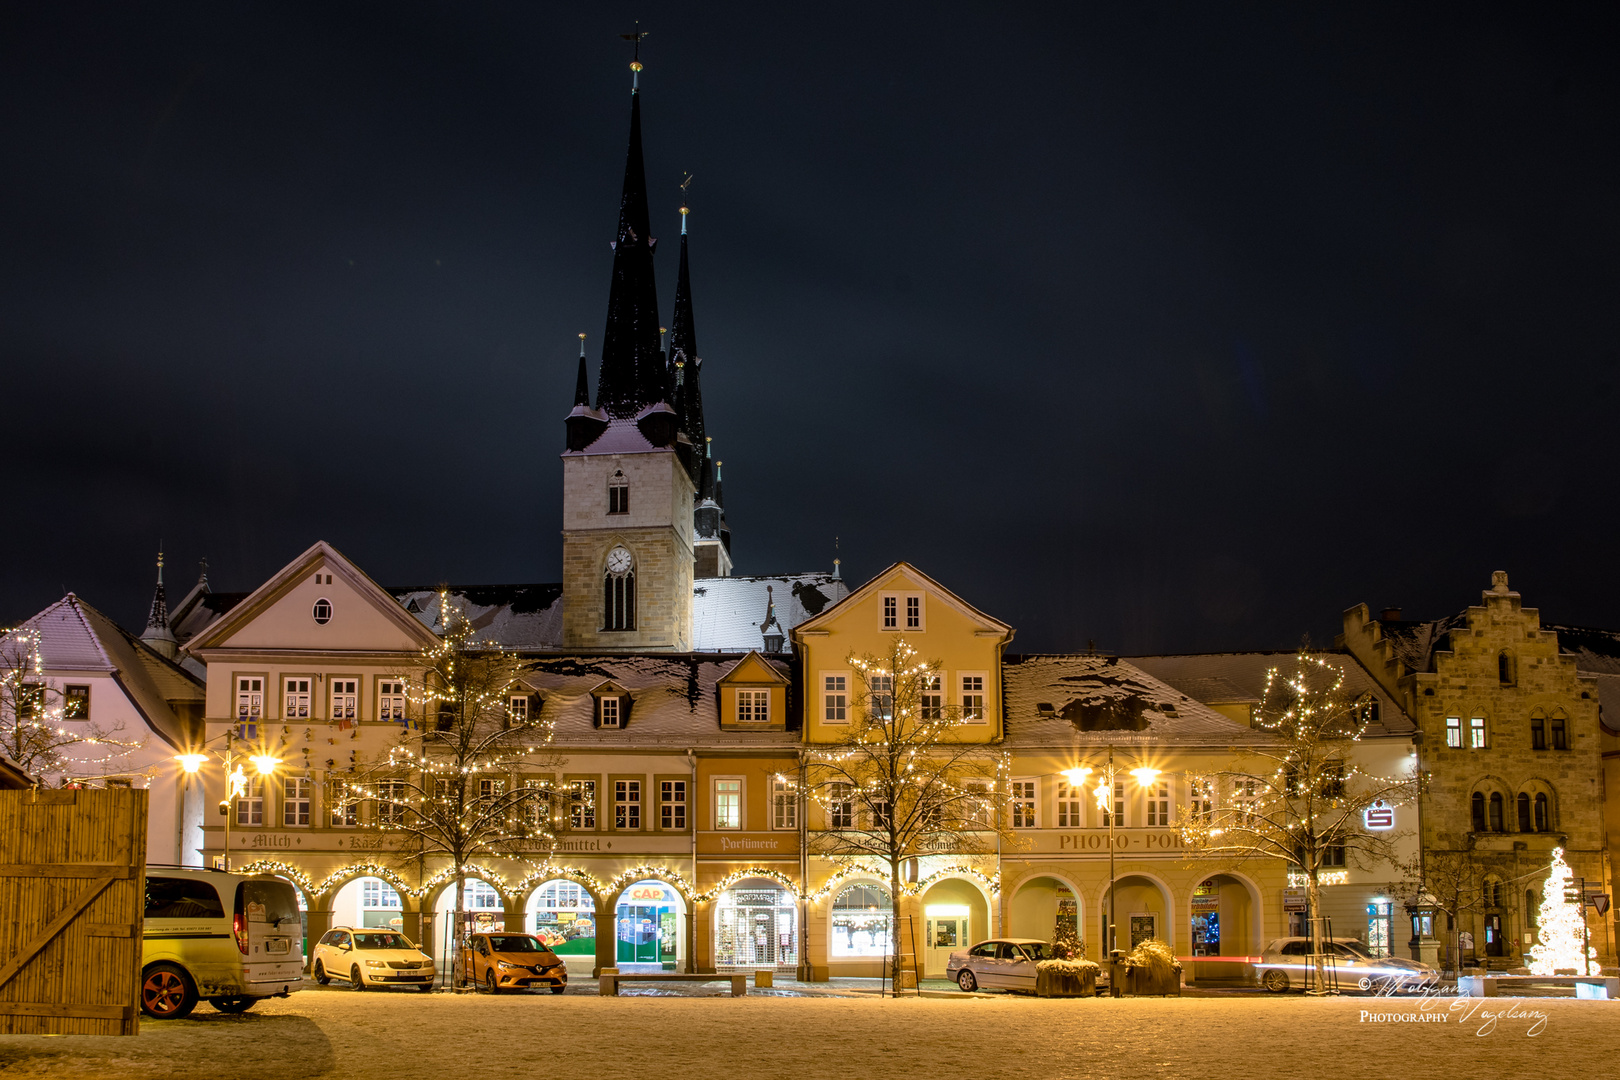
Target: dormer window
{"points": [[610, 712], [618, 494]]}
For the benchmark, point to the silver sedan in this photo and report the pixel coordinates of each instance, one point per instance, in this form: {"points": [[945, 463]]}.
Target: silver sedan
{"points": [[998, 964]]}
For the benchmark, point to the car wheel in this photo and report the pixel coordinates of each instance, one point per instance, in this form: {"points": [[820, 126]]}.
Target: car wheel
{"points": [[967, 982], [355, 978], [426, 988], [559, 988], [320, 974], [232, 1004], [489, 981], [1275, 981], [167, 992]]}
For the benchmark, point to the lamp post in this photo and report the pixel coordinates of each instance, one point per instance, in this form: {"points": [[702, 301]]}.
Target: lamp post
{"points": [[235, 778], [1105, 802]]}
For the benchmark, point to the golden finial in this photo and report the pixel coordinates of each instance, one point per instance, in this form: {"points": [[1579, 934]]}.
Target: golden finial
{"points": [[635, 61]]}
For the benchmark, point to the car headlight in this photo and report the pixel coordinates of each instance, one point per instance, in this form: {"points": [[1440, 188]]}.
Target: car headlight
{"points": [[424, 963], [504, 964], [376, 963]]}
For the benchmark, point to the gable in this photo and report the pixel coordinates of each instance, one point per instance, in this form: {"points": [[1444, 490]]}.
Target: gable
{"points": [[752, 670], [939, 611], [284, 613]]}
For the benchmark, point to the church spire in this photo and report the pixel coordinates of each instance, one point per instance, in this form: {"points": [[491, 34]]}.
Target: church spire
{"points": [[157, 633], [631, 375], [683, 346], [582, 387]]}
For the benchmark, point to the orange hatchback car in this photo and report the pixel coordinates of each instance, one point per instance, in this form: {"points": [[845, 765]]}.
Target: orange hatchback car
{"points": [[498, 961]]}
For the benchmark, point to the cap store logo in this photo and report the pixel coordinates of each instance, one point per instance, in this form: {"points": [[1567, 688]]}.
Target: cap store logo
{"points": [[647, 892]]}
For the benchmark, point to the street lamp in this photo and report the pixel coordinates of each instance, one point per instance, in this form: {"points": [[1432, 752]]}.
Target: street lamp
{"points": [[1106, 778], [235, 778]]}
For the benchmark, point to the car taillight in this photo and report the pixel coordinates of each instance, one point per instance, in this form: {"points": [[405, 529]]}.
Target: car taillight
{"points": [[239, 927]]}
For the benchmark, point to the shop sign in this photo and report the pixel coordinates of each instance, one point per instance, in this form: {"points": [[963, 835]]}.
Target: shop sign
{"points": [[1294, 900], [647, 892], [1380, 816]]}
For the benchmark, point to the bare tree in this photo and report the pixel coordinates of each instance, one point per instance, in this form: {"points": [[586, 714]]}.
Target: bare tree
{"points": [[1450, 880], [446, 788], [39, 726], [1303, 798], [903, 782]]}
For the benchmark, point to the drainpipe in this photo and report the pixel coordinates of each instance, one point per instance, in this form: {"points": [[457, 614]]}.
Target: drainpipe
{"points": [[691, 906], [806, 972]]}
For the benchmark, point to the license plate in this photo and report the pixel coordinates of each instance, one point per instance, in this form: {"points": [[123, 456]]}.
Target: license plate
{"points": [[277, 945]]}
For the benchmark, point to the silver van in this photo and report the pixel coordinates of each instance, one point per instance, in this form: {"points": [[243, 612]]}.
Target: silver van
{"points": [[229, 938]]}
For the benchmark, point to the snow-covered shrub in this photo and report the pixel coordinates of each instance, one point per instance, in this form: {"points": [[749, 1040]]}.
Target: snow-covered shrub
{"points": [[1155, 958]]}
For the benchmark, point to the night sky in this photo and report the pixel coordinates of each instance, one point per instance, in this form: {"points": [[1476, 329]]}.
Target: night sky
{"points": [[1168, 327]]}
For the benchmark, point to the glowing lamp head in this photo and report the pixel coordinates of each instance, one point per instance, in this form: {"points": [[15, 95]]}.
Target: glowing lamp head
{"points": [[265, 763], [191, 762], [1076, 777], [1145, 776]]}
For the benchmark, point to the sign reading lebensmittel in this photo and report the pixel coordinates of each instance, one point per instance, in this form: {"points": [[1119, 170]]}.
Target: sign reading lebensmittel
{"points": [[1380, 816]]}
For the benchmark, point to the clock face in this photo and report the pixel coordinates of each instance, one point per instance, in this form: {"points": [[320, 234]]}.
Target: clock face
{"points": [[618, 560]]}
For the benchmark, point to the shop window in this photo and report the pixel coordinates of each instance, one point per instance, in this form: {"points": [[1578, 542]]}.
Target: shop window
{"points": [[565, 918], [1381, 928], [860, 922], [756, 926]]}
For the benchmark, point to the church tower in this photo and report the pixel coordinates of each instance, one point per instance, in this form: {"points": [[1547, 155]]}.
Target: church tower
{"points": [[629, 468]]}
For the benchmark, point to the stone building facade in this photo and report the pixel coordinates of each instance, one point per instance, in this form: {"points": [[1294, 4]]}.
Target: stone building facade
{"points": [[1510, 745]]}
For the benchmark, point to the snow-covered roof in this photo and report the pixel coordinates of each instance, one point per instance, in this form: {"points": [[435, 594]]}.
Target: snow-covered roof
{"points": [[12, 776], [1596, 652], [75, 637], [674, 700], [1231, 678], [727, 612], [1415, 643], [521, 617], [1066, 700], [621, 436]]}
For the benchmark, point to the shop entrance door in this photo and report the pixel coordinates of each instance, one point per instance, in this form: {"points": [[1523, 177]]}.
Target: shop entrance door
{"points": [[1493, 936], [943, 935], [638, 933]]}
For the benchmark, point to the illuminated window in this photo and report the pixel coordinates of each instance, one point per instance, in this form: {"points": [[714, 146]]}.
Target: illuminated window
{"points": [[249, 699], [341, 808], [345, 698], [784, 805], [1454, 732], [391, 802], [391, 700], [728, 804], [76, 703], [296, 699], [517, 708], [859, 925], [1476, 733], [582, 810]]}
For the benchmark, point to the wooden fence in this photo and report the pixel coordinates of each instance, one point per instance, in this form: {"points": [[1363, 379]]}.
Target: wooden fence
{"points": [[72, 899]]}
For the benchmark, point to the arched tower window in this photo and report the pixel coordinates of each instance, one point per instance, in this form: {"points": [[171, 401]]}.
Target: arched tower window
{"points": [[1478, 806], [618, 493], [1543, 812], [619, 591], [1496, 812]]}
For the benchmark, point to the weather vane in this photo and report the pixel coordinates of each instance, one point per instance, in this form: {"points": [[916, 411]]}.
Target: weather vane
{"points": [[635, 59]]}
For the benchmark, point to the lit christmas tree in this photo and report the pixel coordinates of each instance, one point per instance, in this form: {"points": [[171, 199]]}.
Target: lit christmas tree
{"points": [[1561, 930]]}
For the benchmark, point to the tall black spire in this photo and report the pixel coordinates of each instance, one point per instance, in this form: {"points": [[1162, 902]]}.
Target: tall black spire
{"points": [[157, 633], [632, 376], [683, 348]]}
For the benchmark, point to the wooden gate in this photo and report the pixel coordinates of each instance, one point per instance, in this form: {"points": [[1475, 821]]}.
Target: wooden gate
{"points": [[72, 900]]}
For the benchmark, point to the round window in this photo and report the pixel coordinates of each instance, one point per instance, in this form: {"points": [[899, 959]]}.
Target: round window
{"points": [[322, 611]]}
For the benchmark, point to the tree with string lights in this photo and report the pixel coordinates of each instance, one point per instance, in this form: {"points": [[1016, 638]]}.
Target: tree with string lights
{"points": [[901, 782], [1304, 798], [447, 788], [38, 730]]}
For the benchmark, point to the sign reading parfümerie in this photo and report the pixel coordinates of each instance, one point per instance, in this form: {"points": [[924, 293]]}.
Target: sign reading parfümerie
{"points": [[1095, 841], [782, 845]]}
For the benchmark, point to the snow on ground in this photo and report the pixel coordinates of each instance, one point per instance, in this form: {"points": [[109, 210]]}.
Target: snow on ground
{"points": [[579, 1036]]}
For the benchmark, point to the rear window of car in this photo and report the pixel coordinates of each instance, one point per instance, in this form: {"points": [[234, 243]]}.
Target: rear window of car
{"points": [[1296, 948], [273, 902], [182, 898], [514, 943], [380, 941]]}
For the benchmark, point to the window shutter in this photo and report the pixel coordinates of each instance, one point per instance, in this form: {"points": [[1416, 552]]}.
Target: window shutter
{"points": [[596, 711], [624, 710], [535, 701]]}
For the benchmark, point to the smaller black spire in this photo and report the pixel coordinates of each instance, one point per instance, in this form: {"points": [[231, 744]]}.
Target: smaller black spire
{"points": [[157, 633], [582, 388]]}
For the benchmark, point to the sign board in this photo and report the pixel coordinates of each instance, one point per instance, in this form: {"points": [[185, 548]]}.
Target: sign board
{"points": [[1294, 899], [1599, 902], [1379, 817]]}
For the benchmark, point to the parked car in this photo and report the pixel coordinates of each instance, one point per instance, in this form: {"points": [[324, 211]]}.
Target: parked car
{"points": [[499, 961], [1000, 964], [229, 938], [367, 958], [1286, 963]]}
